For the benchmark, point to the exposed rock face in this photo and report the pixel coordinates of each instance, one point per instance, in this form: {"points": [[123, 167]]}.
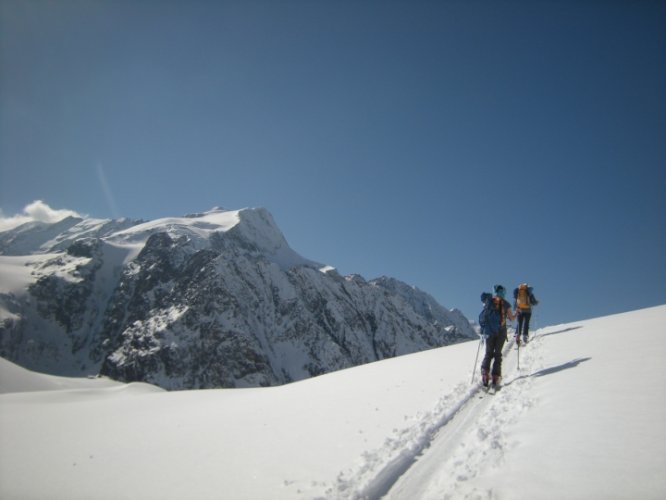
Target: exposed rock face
{"points": [[210, 300]]}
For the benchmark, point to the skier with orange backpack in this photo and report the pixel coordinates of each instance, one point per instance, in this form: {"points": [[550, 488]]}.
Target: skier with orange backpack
{"points": [[523, 301]]}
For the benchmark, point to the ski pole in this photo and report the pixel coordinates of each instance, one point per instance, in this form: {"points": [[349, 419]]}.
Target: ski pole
{"points": [[476, 359], [518, 353]]}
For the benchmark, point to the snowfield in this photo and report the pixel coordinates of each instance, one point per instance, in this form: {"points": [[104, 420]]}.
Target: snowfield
{"points": [[582, 417]]}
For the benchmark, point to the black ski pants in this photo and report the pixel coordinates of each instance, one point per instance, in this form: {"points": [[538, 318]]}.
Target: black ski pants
{"points": [[523, 324], [494, 346]]}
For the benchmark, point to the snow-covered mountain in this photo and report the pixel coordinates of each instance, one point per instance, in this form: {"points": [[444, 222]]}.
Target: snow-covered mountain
{"points": [[216, 299], [581, 416]]}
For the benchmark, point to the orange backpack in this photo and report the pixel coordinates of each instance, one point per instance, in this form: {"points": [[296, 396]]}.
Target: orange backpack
{"points": [[523, 297]]}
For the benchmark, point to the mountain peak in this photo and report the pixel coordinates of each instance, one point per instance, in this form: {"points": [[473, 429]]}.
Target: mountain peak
{"points": [[212, 299], [257, 226]]}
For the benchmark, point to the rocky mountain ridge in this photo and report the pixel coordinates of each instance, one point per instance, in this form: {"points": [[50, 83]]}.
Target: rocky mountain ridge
{"points": [[216, 299]]}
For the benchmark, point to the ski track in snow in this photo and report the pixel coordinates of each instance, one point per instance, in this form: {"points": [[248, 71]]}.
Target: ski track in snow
{"points": [[443, 450]]}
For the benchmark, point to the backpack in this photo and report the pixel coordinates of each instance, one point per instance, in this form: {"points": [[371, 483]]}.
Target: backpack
{"points": [[490, 318], [524, 297]]}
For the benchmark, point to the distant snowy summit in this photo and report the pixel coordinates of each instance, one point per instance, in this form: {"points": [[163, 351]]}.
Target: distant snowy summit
{"points": [[213, 299]]}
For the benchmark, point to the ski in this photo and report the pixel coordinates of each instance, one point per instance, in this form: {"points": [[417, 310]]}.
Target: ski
{"points": [[490, 391]]}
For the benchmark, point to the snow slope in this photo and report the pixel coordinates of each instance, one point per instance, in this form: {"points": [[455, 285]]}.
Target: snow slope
{"points": [[258, 227], [580, 418], [17, 379]]}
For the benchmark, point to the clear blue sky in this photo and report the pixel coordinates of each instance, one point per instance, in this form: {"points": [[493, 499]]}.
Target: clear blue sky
{"points": [[450, 144]]}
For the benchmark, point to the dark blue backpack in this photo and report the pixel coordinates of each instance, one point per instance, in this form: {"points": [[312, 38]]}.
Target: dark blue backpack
{"points": [[490, 318]]}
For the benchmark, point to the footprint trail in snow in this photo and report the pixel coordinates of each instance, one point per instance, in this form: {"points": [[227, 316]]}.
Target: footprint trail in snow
{"points": [[444, 450]]}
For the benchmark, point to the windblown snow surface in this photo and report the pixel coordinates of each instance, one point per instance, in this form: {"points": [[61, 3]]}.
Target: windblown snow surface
{"points": [[581, 415]]}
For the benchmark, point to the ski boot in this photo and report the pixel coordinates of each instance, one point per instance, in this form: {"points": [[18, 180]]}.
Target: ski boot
{"points": [[485, 378], [497, 382]]}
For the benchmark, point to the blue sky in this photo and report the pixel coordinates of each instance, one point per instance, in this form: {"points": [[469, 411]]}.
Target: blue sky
{"points": [[452, 145]]}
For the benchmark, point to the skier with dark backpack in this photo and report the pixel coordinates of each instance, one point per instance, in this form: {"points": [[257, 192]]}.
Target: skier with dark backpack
{"points": [[492, 320], [524, 299]]}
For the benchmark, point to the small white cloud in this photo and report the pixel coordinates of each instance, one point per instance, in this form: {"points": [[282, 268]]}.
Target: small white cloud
{"points": [[40, 211], [35, 211]]}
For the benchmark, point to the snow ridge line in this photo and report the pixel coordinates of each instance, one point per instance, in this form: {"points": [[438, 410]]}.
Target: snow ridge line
{"points": [[377, 474]]}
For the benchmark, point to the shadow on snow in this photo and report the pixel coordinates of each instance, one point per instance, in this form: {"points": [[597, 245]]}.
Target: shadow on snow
{"points": [[552, 369], [559, 368], [561, 331]]}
